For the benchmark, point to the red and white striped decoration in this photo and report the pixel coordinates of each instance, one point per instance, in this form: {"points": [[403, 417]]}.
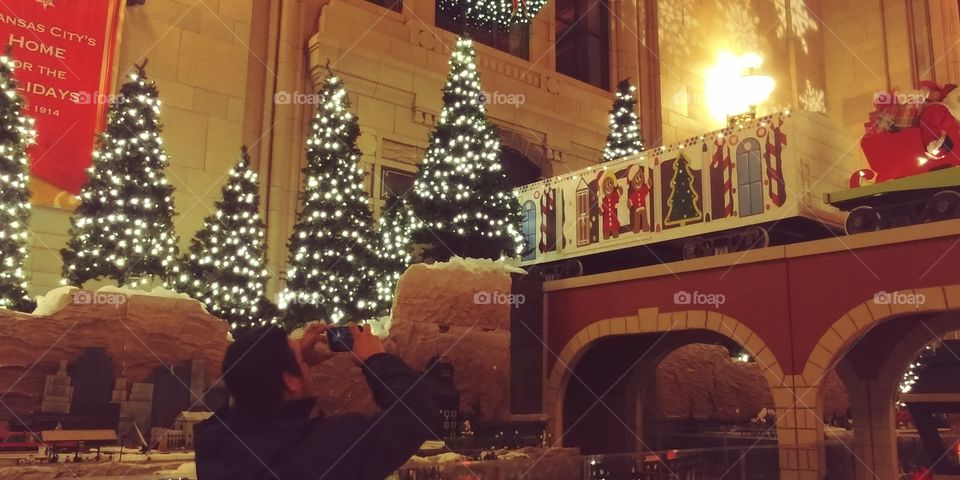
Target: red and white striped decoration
{"points": [[723, 161]]}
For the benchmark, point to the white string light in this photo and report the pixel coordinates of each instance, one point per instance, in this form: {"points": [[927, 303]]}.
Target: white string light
{"points": [[624, 138], [123, 227], [331, 273], [226, 267], [17, 133], [461, 191]]}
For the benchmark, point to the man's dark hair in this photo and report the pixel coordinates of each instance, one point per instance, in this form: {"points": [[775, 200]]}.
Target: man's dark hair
{"points": [[254, 365]]}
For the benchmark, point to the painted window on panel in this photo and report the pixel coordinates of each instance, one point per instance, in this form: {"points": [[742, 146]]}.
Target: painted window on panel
{"points": [[749, 177], [528, 228]]}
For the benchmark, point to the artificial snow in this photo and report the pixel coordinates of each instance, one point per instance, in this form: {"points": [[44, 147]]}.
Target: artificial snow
{"points": [[60, 297], [441, 458], [381, 326], [54, 301], [185, 470], [476, 266]]}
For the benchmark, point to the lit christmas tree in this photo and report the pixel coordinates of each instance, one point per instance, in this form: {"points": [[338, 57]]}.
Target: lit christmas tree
{"points": [[461, 195], [123, 227], [225, 268], [624, 138], [332, 250], [393, 248], [16, 134]]}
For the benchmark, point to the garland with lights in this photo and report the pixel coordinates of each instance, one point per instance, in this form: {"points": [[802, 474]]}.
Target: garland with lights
{"points": [[624, 138], [393, 249], [123, 227], [461, 197], [912, 374], [332, 259], [16, 135], [226, 266], [492, 14]]}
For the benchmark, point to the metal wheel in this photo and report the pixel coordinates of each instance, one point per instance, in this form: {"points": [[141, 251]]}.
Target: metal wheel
{"points": [[749, 239], [943, 206], [696, 247], [862, 219]]}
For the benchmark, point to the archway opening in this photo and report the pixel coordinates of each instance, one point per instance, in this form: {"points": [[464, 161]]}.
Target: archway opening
{"points": [[518, 169], [671, 398], [884, 441]]}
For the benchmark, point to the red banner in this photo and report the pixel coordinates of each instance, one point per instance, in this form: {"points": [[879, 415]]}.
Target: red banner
{"points": [[63, 51]]}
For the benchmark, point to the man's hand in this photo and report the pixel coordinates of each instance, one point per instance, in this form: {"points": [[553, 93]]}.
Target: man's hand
{"points": [[313, 344], [365, 343]]}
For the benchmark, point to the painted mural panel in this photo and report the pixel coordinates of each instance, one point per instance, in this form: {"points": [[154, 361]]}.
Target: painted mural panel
{"points": [[719, 181]]}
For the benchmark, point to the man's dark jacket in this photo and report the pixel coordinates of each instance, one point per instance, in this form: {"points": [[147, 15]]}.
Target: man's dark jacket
{"points": [[286, 444]]}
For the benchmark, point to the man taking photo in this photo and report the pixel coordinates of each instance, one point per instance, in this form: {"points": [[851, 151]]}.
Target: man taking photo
{"points": [[272, 432]]}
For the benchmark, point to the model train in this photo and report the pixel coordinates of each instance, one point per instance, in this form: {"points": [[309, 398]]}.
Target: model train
{"points": [[765, 182], [730, 190], [912, 148]]}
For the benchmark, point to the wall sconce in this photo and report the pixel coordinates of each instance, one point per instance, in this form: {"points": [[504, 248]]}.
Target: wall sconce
{"points": [[735, 88]]}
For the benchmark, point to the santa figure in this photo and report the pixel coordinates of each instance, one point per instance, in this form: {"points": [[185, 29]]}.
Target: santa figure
{"points": [[938, 122], [611, 198], [639, 189]]}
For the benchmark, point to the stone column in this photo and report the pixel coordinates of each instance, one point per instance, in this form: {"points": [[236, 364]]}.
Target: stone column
{"points": [[799, 429], [874, 440]]}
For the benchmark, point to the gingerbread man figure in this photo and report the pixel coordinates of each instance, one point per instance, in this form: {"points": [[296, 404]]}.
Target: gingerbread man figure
{"points": [[611, 198], [639, 189]]}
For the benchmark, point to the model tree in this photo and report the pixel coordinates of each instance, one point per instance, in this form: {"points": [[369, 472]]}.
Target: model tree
{"points": [[226, 266], [682, 203], [393, 248], [16, 134], [624, 138], [332, 255], [461, 195], [123, 227]]}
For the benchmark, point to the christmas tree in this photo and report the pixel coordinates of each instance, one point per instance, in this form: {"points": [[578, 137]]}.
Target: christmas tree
{"points": [[624, 138], [682, 205], [332, 250], [225, 268], [16, 134], [396, 226], [460, 194], [123, 227]]}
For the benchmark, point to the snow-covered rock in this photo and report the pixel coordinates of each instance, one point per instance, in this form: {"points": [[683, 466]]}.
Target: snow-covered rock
{"points": [[139, 333], [459, 311], [60, 297]]}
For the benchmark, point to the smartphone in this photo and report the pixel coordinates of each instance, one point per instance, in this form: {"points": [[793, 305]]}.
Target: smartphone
{"points": [[340, 339]]}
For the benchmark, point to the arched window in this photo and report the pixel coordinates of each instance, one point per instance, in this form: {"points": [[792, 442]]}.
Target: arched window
{"points": [[529, 230], [518, 168], [749, 177]]}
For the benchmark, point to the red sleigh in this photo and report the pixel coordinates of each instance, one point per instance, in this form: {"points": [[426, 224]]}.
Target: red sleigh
{"points": [[910, 138]]}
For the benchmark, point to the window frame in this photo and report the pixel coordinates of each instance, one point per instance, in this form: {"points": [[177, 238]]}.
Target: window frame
{"points": [[575, 38], [445, 22], [397, 5]]}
